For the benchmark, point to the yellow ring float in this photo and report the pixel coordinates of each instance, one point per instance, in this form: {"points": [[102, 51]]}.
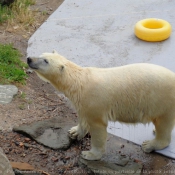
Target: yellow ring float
{"points": [[152, 29]]}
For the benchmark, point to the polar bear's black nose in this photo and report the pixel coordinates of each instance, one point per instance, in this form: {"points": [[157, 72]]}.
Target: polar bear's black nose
{"points": [[29, 60]]}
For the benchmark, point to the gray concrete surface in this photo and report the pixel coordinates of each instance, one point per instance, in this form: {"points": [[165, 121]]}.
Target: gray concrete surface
{"points": [[101, 34]]}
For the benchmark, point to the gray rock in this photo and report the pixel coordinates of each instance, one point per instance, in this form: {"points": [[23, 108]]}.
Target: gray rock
{"points": [[52, 133], [123, 165], [5, 167], [7, 92]]}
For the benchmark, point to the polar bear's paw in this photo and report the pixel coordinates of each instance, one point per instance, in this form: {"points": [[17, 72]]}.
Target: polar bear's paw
{"points": [[89, 155], [75, 133], [151, 145], [148, 146]]}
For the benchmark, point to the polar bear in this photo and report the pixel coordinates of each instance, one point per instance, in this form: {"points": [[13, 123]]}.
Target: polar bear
{"points": [[136, 93]]}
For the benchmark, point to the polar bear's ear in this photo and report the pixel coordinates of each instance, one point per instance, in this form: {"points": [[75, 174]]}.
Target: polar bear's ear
{"points": [[54, 52]]}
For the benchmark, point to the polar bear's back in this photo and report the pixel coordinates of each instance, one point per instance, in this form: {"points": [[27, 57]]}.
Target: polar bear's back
{"points": [[132, 93], [142, 71], [142, 76]]}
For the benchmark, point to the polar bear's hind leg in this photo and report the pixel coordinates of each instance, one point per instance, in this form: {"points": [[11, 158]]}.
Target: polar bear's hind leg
{"points": [[163, 127]]}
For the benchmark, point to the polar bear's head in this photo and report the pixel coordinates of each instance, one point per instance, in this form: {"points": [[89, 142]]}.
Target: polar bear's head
{"points": [[48, 66]]}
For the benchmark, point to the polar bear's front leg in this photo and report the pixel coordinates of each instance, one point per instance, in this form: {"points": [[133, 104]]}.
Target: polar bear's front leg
{"points": [[98, 143], [77, 132]]}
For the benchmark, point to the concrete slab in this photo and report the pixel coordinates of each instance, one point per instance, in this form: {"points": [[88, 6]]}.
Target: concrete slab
{"points": [[101, 34]]}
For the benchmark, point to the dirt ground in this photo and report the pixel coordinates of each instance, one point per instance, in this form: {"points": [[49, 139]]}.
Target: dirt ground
{"points": [[38, 100], [33, 99]]}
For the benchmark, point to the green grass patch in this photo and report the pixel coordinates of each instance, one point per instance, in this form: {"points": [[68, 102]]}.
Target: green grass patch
{"points": [[5, 13], [17, 12], [11, 67]]}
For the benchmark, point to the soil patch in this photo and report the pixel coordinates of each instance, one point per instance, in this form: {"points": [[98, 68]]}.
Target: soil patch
{"points": [[35, 100], [20, 148]]}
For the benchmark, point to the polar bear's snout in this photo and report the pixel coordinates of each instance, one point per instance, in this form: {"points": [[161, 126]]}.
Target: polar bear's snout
{"points": [[33, 63], [37, 63]]}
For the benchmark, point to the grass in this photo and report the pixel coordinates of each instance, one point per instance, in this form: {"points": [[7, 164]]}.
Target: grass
{"points": [[11, 67], [5, 14], [22, 13], [18, 13]]}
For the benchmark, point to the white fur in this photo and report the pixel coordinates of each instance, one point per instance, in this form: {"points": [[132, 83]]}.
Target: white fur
{"points": [[136, 93]]}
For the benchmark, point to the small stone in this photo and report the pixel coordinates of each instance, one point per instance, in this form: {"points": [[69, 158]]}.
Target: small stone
{"points": [[26, 145], [54, 159], [67, 157], [23, 155], [27, 139], [43, 153], [21, 144]]}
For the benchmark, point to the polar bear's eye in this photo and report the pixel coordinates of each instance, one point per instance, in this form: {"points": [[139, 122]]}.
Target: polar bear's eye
{"points": [[46, 61]]}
